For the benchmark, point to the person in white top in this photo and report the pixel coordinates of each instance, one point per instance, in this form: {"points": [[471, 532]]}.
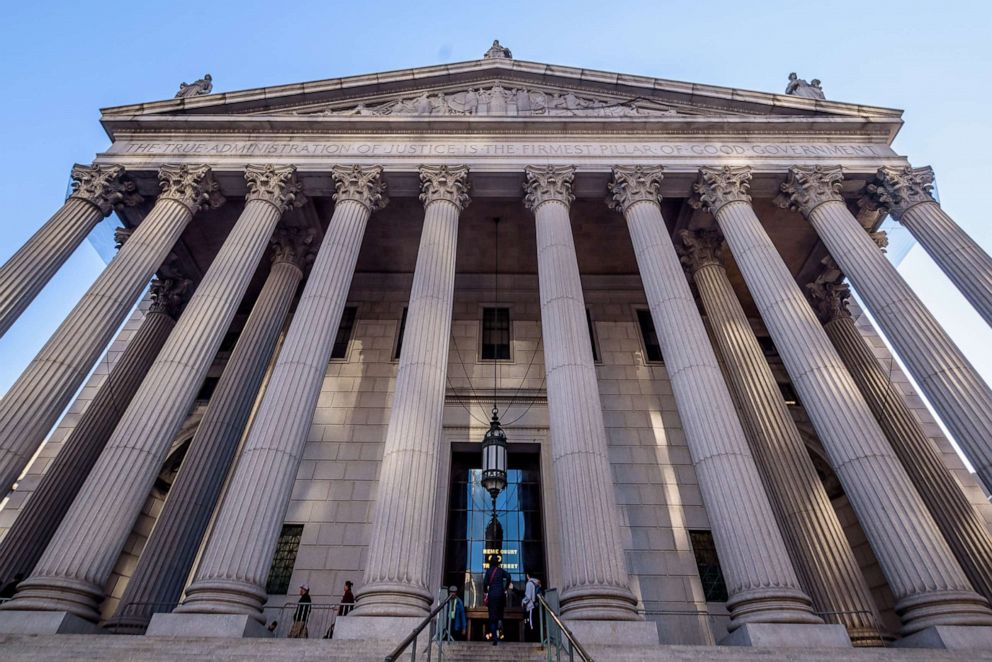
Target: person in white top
{"points": [[531, 592]]}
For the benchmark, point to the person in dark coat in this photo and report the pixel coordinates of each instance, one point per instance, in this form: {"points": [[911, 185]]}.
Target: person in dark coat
{"points": [[457, 622], [302, 614], [496, 584], [347, 602]]}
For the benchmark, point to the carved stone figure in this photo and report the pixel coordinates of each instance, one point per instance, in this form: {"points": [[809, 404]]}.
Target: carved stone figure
{"points": [[798, 87], [196, 88], [497, 52]]}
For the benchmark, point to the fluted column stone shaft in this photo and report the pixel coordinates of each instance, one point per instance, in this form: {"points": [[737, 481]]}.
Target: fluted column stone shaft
{"points": [[96, 191], [906, 194], [38, 520], [817, 545], [929, 586], [171, 548], [397, 573], [41, 393], [595, 584], [959, 394], [963, 527], [72, 572], [231, 575], [761, 582]]}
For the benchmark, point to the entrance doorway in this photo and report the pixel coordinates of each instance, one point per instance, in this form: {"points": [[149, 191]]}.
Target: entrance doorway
{"points": [[518, 538]]}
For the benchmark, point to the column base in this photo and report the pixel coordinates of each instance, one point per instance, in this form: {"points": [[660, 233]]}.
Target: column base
{"points": [[392, 601], [223, 626], [599, 603], [613, 633], [951, 637], [44, 622], [788, 635]]}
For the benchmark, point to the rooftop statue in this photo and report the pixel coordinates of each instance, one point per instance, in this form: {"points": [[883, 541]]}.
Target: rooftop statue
{"points": [[497, 52], [798, 87], [196, 88]]}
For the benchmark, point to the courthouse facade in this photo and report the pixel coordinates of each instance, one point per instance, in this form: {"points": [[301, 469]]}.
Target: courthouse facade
{"points": [[647, 279]]}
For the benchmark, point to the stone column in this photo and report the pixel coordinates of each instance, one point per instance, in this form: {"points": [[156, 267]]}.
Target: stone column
{"points": [[230, 578], [72, 572], [962, 525], [96, 190], [762, 584], [40, 517], [171, 548], [397, 572], [813, 534], [905, 193], [958, 393], [33, 404], [929, 586], [594, 574]]}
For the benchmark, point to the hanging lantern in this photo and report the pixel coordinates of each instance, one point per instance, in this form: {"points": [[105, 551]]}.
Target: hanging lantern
{"points": [[494, 458]]}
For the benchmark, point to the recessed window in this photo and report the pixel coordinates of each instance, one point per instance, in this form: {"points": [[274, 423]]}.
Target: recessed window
{"points": [[788, 393], [399, 336], [281, 571], [207, 389], [652, 348], [340, 349], [496, 334], [708, 565], [592, 337], [767, 346]]}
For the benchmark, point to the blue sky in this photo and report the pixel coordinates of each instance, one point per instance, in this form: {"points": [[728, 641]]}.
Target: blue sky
{"points": [[65, 60]]}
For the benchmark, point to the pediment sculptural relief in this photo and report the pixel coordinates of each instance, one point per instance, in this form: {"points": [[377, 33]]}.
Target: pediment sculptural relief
{"points": [[497, 100]]}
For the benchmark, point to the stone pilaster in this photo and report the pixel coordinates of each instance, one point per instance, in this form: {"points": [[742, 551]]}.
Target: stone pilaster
{"points": [[929, 585], [71, 574], [163, 567], [41, 393], [594, 574], [958, 393], [963, 527], [397, 573], [817, 546], [96, 190], [36, 523], [761, 582], [905, 193], [230, 578]]}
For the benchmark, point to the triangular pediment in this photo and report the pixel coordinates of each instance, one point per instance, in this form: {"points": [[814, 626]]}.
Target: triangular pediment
{"points": [[479, 93]]}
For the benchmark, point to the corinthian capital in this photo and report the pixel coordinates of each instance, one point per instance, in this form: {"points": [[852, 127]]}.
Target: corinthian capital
{"points": [[294, 245], [448, 183], [104, 186], [121, 235], [881, 239], [829, 299], [276, 185], [634, 184], [191, 185], [717, 187], [700, 249], [361, 185], [895, 190], [806, 188], [169, 294], [547, 183]]}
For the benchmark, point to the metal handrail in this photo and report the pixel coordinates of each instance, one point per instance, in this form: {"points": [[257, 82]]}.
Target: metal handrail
{"points": [[412, 637], [561, 626]]}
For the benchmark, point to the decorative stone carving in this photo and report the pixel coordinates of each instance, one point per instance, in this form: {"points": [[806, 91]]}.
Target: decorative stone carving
{"points": [[716, 187], [274, 184], [497, 100], [798, 87], [829, 299], [548, 183], [190, 185], [104, 186], [897, 189], [634, 184], [881, 239], [196, 88], [294, 245], [443, 182], [806, 188], [363, 185], [700, 248], [497, 52], [169, 295], [121, 235]]}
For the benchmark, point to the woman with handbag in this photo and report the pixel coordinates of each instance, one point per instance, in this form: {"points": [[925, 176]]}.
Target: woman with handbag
{"points": [[495, 586]]}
